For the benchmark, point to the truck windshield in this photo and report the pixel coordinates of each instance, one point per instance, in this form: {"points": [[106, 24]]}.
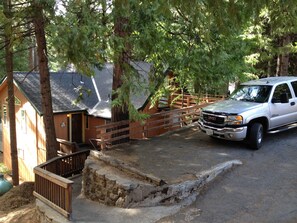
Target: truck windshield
{"points": [[252, 93]]}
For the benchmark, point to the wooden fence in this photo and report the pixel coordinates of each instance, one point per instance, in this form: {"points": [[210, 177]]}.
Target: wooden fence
{"points": [[156, 124], [52, 187], [186, 100]]}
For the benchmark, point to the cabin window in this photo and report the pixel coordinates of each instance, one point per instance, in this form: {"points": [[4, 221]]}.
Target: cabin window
{"points": [[4, 114], [24, 121], [21, 153]]}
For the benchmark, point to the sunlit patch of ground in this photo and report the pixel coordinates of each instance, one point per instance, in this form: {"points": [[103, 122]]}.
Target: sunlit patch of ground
{"points": [[18, 204], [24, 214]]}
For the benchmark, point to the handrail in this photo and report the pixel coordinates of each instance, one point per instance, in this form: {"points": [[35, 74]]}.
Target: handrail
{"points": [[52, 187], [178, 100], [66, 147]]}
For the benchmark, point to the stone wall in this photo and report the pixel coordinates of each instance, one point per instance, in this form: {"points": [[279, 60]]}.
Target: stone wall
{"points": [[109, 181], [110, 186]]}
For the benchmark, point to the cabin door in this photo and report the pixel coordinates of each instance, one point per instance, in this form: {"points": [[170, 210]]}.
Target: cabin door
{"points": [[76, 128]]}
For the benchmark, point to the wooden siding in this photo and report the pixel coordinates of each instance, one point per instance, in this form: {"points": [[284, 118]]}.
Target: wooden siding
{"points": [[61, 126], [90, 132], [30, 136]]}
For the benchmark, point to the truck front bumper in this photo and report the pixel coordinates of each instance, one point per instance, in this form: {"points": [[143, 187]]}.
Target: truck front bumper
{"points": [[233, 134]]}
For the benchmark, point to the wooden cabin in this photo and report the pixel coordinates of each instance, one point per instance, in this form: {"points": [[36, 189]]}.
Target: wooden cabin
{"points": [[80, 103]]}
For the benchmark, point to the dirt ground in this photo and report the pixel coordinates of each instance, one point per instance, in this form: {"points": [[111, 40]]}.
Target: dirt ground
{"points": [[18, 204], [23, 214]]}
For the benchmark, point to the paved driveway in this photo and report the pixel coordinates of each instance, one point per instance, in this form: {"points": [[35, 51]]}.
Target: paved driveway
{"points": [[263, 189], [180, 153]]}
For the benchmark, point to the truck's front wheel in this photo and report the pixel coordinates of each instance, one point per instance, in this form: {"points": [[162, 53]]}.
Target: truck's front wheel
{"points": [[256, 135]]}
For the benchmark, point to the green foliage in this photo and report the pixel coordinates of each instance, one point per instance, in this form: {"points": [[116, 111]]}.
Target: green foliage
{"points": [[4, 169], [20, 35], [206, 44], [282, 16], [275, 20], [133, 85], [20, 57], [82, 93], [201, 42], [194, 42], [78, 38]]}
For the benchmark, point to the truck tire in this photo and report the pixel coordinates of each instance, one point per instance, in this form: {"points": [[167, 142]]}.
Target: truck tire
{"points": [[256, 135]]}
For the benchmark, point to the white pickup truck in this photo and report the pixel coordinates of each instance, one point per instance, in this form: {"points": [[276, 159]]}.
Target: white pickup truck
{"points": [[267, 105]]}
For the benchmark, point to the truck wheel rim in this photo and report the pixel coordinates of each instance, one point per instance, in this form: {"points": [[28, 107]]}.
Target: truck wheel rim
{"points": [[260, 135]]}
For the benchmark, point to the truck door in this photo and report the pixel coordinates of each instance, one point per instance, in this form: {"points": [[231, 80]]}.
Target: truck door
{"points": [[282, 113], [294, 87]]}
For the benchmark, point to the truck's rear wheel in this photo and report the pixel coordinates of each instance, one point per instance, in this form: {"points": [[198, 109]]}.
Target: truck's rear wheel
{"points": [[256, 135]]}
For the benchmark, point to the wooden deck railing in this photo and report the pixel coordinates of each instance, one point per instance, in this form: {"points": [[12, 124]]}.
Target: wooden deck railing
{"points": [[52, 187], [186, 100], [155, 125], [66, 147]]}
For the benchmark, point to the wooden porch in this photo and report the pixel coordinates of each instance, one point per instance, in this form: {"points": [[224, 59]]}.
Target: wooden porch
{"points": [[51, 184]]}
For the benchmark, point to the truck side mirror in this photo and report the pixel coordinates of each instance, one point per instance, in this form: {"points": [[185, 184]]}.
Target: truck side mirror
{"points": [[284, 98]]}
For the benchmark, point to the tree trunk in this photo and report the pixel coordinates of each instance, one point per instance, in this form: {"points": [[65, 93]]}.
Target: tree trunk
{"points": [[11, 101], [269, 68], [45, 89], [278, 64], [283, 58], [32, 56], [121, 62]]}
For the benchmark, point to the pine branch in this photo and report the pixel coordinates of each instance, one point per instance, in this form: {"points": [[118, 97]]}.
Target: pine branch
{"points": [[3, 47], [25, 33], [21, 4], [21, 24], [182, 15], [18, 51], [29, 72], [171, 32]]}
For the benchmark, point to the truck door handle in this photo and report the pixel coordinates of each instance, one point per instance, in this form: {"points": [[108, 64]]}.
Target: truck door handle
{"points": [[292, 103]]}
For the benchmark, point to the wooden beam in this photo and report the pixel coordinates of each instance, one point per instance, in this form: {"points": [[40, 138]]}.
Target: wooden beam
{"points": [[52, 205]]}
